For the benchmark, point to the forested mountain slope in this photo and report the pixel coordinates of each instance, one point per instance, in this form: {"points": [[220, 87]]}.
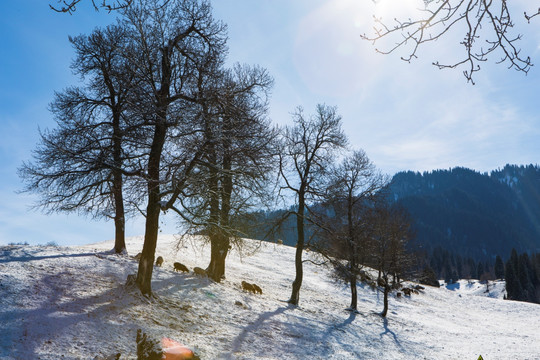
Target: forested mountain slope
{"points": [[473, 214]]}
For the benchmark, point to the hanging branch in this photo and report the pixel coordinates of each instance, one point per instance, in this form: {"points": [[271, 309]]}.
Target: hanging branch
{"points": [[489, 20], [71, 6], [529, 17]]}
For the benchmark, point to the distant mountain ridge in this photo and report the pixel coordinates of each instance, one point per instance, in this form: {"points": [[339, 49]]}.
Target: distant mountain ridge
{"points": [[474, 214]]}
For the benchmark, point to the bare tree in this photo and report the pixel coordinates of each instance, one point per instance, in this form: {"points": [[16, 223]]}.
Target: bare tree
{"points": [[487, 25], [353, 185], [389, 233], [232, 174], [176, 45], [80, 165], [307, 149], [245, 151]]}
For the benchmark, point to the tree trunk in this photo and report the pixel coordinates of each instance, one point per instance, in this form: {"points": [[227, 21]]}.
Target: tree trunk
{"points": [[354, 293], [216, 268], [146, 264], [119, 217], [119, 212], [218, 254], [395, 280], [297, 283], [220, 244], [385, 299], [144, 275], [352, 251]]}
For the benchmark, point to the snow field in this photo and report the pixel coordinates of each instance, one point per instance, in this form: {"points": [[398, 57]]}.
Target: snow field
{"points": [[71, 303]]}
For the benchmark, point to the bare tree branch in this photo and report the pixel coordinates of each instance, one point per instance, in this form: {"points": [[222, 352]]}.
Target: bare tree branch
{"points": [[71, 6], [529, 17], [486, 22]]}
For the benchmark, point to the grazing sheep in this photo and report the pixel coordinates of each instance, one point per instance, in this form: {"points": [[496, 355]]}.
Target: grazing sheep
{"points": [[180, 267], [407, 291], [159, 261], [254, 288], [199, 271], [248, 287], [257, 288]]}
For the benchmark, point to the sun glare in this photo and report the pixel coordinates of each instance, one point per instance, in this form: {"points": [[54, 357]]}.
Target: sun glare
{"points": [[402, 9], [330, 56]]}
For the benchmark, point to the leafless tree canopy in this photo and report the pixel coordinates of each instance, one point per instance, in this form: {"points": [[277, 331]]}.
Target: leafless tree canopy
{"points": [[70, 6], [389, 232], [307, 151], [488, 30], [352, 186], [80, 165], [177, 49], [231, 177]]}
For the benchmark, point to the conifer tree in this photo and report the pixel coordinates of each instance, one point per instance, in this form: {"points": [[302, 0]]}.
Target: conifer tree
{"points": [[480, 270], [513, 285], [524, 276], [499, 268]]}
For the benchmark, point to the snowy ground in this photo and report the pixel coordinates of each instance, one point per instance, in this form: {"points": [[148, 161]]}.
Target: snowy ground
{"points": [[71, 303]]}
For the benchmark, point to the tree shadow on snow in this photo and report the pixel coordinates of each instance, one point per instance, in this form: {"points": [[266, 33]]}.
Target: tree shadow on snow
{"points": [[33, 332], [387, 331], [253, 328], [179, 283], [335, 335], [300, 332], [26, 257]]}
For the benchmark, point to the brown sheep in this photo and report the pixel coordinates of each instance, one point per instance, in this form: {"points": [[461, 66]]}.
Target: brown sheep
{"points": [[407, 291], [159, 261], [254, 288], [180, 267], [257, 288], [199, 271], [248, 287]]}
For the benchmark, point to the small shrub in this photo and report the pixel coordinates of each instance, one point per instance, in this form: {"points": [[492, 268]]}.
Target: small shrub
{"points": [[18, 243]]}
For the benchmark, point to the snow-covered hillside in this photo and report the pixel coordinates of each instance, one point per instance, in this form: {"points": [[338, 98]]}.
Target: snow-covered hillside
{"points": [[71, 303], [493, 289]]}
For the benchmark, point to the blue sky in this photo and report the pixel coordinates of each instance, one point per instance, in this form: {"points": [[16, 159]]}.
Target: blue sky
{"points": [[405, 116]]}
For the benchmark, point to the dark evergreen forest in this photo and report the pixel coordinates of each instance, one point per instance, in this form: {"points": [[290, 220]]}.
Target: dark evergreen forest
{"points": [[522, 275], [472, 214], [462, 219]]}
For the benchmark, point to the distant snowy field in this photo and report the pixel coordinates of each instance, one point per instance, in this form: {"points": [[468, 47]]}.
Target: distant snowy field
{"points": [[71, 303]]}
